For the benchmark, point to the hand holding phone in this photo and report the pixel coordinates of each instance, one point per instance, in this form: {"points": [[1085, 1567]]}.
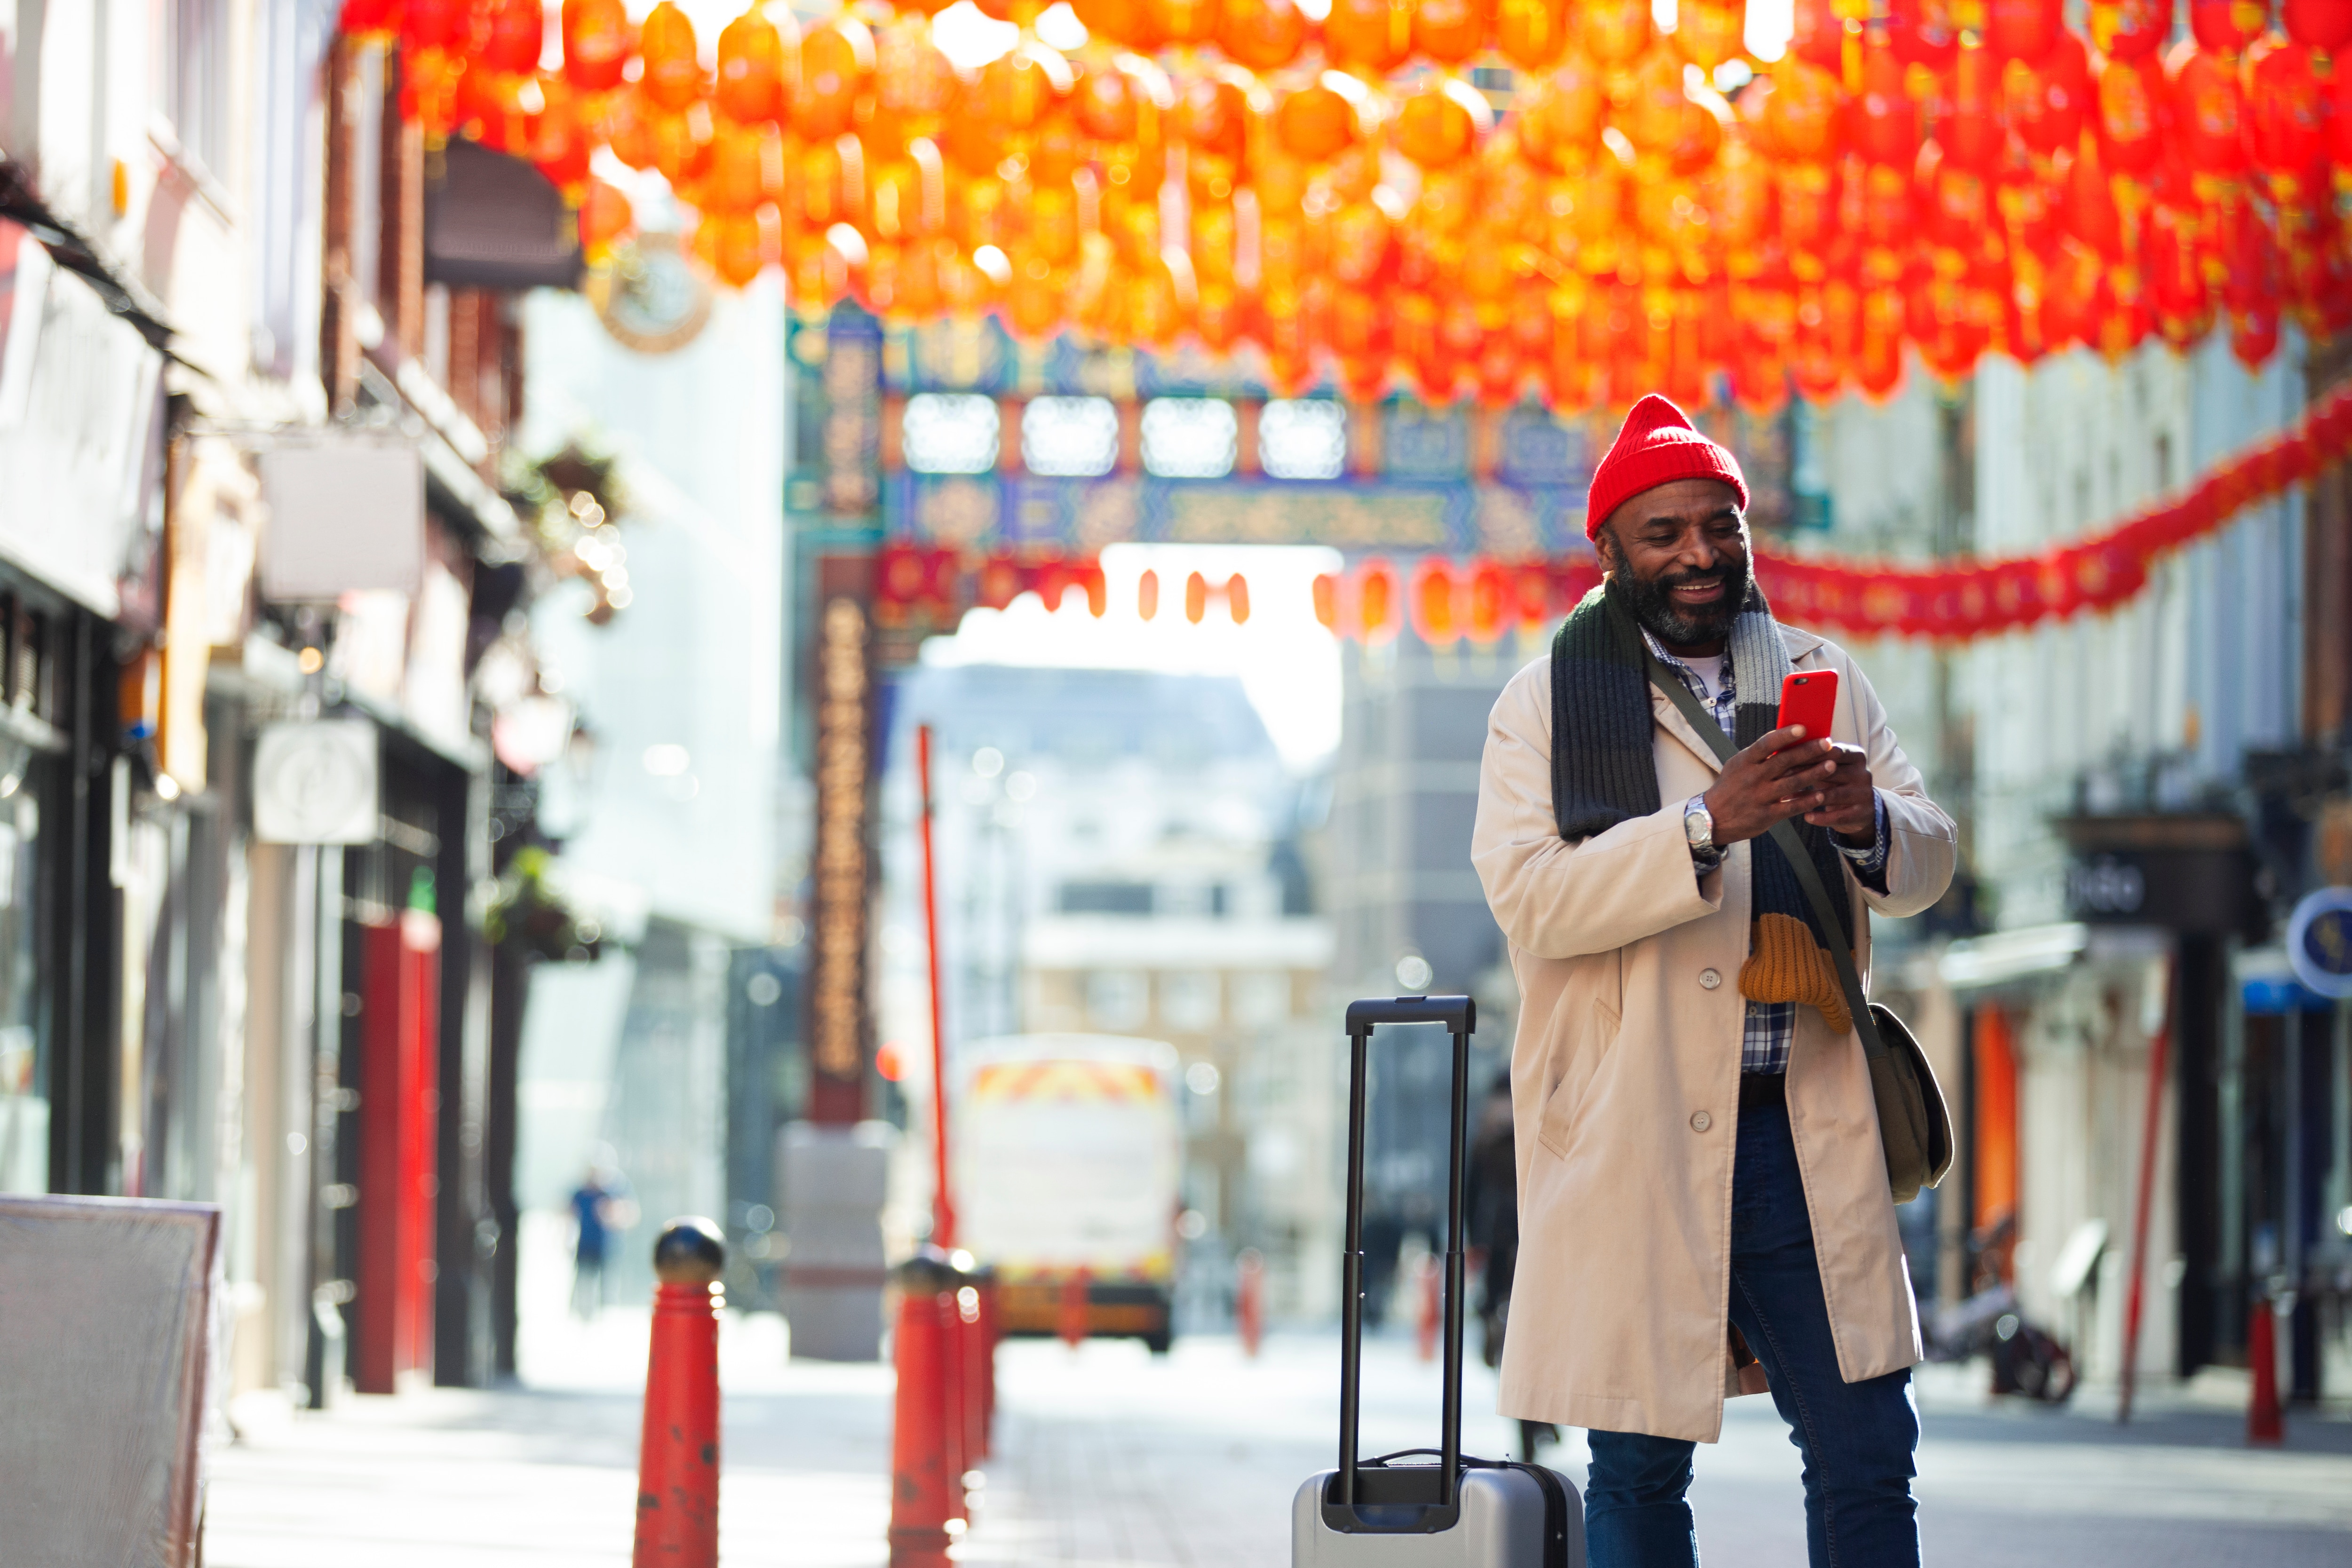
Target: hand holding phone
{"points": [[1808, 698]]}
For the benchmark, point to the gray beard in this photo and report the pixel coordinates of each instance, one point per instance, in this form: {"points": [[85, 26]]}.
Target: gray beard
{"points": [[1655, 612]]}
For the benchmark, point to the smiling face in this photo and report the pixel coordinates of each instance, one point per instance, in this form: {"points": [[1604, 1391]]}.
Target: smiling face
{"points": [[1680, 551]]}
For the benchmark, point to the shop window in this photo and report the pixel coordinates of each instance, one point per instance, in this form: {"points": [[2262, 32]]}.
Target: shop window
{"points": [[1190, 438], [1070, 437], [1302, 438], [1118, 999], [950, 433], [1189, 1001]]}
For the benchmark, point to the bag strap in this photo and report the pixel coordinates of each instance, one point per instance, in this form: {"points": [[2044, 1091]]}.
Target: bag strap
{"points": [[1793, 850]]}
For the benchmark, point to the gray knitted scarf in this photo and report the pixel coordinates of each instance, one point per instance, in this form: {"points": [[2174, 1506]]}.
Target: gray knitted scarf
{"points": [[1604, 773]]}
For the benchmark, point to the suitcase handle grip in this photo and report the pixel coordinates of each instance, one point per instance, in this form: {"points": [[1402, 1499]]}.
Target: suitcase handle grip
{"points": [[1458, 1014]]}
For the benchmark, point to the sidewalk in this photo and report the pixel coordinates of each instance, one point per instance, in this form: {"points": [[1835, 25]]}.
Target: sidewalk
{"points": [[1110, 1456]]}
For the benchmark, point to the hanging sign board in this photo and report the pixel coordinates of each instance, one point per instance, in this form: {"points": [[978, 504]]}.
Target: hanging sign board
{"points": [[2319, 942], [315, 782]]}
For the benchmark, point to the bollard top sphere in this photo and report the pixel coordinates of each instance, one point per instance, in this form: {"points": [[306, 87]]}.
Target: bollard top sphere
{"points": [[927, 1273], [691, 1251]]}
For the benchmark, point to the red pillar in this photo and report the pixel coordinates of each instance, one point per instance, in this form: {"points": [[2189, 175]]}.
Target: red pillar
{"points": [[1249, 1299], [678, 1458], [399, 1073], [925, 1492], [2264, 1421]]}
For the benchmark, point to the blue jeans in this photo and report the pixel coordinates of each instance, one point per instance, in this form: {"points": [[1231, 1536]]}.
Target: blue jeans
{"points": [[1857, 1438]]}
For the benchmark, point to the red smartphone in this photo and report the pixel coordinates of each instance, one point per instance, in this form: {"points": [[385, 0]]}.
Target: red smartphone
{"points": [[1809, 698]]}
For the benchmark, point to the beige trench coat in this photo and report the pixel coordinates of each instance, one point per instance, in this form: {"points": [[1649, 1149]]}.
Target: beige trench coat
{"points": [[1625, 1081]]}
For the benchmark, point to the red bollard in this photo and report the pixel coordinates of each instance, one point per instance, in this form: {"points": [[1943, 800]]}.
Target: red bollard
{"points": [[678, 1462], [1249, 1299], [1074, 1308], [979, 1350], [2263, 1423], [989, 1334], [924, 1490], [1425, 1328]]}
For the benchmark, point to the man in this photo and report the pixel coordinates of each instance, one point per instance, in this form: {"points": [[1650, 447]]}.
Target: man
{"points": [[1704, 1207]]}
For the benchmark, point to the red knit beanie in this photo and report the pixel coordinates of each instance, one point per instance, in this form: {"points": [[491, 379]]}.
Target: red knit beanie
{"points": [[1656, 445]]}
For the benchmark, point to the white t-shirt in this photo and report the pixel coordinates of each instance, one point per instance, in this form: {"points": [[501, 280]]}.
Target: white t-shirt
{"points": [[1708, 670]]}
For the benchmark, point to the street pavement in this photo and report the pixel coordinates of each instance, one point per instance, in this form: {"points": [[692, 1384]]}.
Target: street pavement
{"points": [[1108, 1456]]}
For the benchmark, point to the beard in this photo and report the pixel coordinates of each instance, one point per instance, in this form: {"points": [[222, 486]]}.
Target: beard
{"points": [[1652, 599]]}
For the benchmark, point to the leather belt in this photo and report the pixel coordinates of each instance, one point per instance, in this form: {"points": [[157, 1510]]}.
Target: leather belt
{"points": [[1760, 1089]]}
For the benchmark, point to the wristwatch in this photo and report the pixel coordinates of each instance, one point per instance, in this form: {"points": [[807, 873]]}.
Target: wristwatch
{"points": [[1698, 828]]}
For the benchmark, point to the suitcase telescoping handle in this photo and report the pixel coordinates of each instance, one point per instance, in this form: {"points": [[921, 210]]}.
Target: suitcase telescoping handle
{"points": [[1460, 1017]]}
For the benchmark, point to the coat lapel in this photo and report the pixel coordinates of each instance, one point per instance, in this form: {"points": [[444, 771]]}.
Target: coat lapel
{"points": [[1670, 718]]}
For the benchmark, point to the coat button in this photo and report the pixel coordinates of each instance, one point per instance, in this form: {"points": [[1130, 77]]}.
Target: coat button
{"points": [[1710, 978], [1701, 1121]]}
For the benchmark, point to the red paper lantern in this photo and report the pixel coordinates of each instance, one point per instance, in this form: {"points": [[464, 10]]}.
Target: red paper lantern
{"points": [[1923, 33], [1376, 600], [559, 143], [1438, 126], [2048, 99], [2208, 110], [2286, 109], [1885, 118], [2323, 25], [1708, 33], [436, 24], [517, 31], [1184, 22], [752, 54], [370, 18], [2226, 26], [604, 217], [1315, 123], [1817, 35], [1977, 133], [1800, 115], [2132, 29], [1493, 601], [2022, 29], [1376, 35], [836, 66], [1615, 32], [597, 39], [1430, 602], [2131, 95], [1531, 33], [673, 75], [1262, 35], [1448, 31]]}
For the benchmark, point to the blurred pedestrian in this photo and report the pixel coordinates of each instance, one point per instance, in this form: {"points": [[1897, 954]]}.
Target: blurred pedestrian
{"points": [[591, 1206], [1493, 1200], [1703, 1206]]}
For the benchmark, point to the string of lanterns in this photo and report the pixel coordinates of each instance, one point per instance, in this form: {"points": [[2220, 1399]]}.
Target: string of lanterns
{"points": [[1962, 176], [1444, 601], [929, 587]]}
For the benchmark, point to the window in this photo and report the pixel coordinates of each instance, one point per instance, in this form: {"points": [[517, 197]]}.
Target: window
{"points": [[1074, 437], [195, 77], [1118, 999], [1106, 898], [1261, 1001], [1302, 438], [1189, 437], [950, 433], [1188, 1000]]}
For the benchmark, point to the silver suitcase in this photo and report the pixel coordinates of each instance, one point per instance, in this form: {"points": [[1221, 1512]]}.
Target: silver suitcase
{"points": [[1457, 1512]]}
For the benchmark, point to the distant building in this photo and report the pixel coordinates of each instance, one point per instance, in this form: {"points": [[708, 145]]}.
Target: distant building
{"points": [[1120, 853]]}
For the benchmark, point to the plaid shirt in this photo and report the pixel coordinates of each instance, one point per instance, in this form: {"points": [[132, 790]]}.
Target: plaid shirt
{"points": [[1764, 1037]]}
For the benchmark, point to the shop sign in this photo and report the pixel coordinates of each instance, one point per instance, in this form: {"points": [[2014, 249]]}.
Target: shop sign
{"points": [[2319, 942], [2189, 875], [843, 869], [79, 410], [315, 782]]}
